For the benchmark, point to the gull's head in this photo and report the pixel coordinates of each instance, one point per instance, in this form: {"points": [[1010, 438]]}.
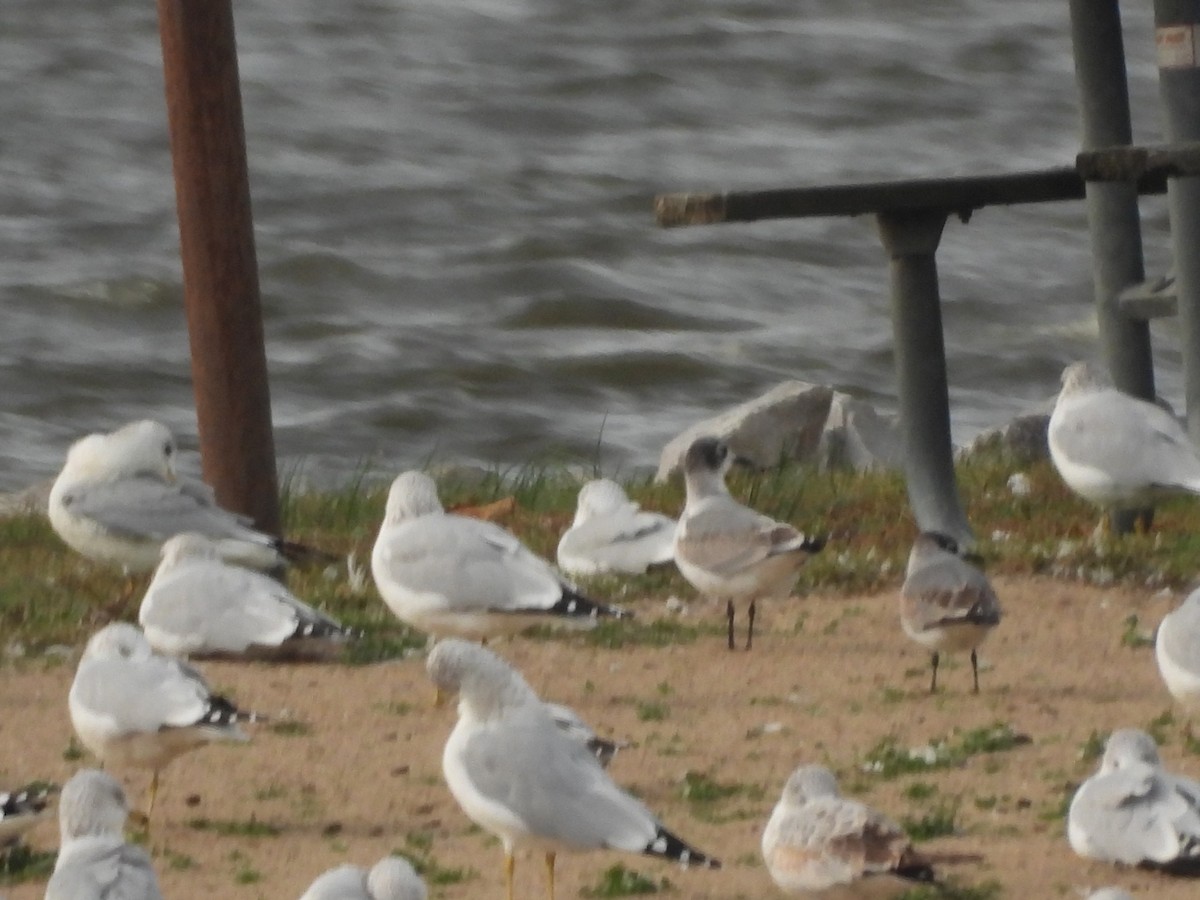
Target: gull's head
{"points": [[1127, 747], [120, 640], [704, 466], [92, 804], [187, 545], [598, 498], [1082, 376], [485, 683], [143, 448], [412, 495], [394, 878], [808, 783], [930, 545]]}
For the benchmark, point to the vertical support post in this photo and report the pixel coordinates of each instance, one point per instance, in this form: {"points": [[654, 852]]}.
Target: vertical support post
{"points": [[220, 272], [911, 241], [1112, 207], [1175, 32], [1114, 222]]}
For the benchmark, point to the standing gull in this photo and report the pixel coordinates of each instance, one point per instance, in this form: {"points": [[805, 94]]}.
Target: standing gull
{"points": [[517, 775], [1134, 812], [1177, 650], [130, 705], [94, 861], [611, 533], [727, 550], [118, 498], [946, 604], [821, 843], [452, 575], [392, 878], [199, 605], [1114, 449], [20, 810]]}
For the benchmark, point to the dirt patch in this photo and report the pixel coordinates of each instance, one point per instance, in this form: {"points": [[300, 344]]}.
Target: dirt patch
{"points": [[359, 773]]}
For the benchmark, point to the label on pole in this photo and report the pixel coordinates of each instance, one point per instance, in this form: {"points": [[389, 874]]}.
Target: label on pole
{"points": [[1175, 46]]}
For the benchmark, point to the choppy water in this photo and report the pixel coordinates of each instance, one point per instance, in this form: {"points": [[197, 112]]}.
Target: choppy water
{"points": [[453, 214]]}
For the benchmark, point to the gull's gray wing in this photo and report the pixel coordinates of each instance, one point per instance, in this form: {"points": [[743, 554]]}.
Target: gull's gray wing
{"points": [[148, 508], [102, 868], [724, 537], [949, 590], [474, 564], [553, 784], [207, 606], [626, 540], [1135, 442], [141, 695], [1132, 815]]}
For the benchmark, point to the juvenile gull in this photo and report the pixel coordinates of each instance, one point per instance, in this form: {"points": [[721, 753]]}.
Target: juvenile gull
{"points": [[129, 705], [452, 575], [517, 775], [1177, 650], [727, 550], [94, 861], [392, 878], [611, 533], [118, 498], [1134, 812], [820, 843], [1116, 450], [199, 605], [946, 604], [21, 809]]}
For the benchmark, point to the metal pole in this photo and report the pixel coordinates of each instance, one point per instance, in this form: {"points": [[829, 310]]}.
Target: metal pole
{"points": [[220, 273], [1175, 36], [911, 240], [1112, 207]]}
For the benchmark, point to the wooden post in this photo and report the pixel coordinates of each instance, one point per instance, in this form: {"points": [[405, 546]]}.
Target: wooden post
{"points": [[220, 272]]}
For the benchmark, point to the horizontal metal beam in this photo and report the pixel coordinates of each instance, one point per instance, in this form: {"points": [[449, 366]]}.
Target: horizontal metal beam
{"points": [[953, 196], [1137, 163]]}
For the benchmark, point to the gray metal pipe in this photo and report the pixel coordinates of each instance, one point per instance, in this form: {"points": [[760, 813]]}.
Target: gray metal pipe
{"points": [[911, 241], [1113, 218], [1179, 86]]}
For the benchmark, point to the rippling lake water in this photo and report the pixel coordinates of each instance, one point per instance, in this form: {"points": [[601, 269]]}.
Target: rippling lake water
{"points": [[453, 217]]}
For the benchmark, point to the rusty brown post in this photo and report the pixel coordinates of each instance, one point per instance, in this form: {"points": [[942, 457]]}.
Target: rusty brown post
{"points": [[220, 272]]}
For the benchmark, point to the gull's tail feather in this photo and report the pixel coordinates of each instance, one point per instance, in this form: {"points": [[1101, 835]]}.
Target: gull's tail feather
{"points": [[668, 846], [574, 605], [28, 801], [222, 716]]}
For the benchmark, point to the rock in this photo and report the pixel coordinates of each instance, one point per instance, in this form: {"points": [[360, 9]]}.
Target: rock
{"points": [[783, 424], [1023, 439], [857, 437]]}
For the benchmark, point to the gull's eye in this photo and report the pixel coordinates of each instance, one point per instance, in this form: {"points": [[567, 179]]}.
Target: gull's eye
{"points": [[168, 449]]}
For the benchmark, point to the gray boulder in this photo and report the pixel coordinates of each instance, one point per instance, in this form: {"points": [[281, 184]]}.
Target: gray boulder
{"points": [[859, 438], [785, 423]]}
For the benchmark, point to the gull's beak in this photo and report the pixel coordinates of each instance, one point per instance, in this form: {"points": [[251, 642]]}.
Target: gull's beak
{"points": [[745, 462]]}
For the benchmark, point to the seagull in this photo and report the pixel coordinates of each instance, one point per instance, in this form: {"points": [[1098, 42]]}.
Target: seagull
{"points": [[94, 861], [21, 809], [611, 533], [1135, 813], [451, 575], [946, 604], [1177, 650], [518, 776], [131, 705], [1116, 450], [198, 605], [392, 878], [727, 550], [118, 498], [821, 843], [1110, 893]]}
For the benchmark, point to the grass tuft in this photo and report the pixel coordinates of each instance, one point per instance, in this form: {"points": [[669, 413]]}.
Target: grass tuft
{"points": [[618, 881]]}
